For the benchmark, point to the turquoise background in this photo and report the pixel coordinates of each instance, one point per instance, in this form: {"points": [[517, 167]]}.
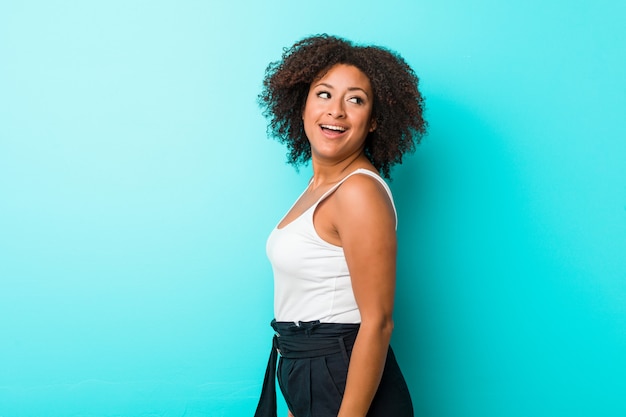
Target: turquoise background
{"points": [[137, 188]]}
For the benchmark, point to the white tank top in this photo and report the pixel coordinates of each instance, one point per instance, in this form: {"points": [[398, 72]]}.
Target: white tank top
{"points": [[311, 278]]}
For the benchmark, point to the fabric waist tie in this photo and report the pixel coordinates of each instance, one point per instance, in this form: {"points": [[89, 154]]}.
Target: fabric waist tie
{"points": [[299, 341]]}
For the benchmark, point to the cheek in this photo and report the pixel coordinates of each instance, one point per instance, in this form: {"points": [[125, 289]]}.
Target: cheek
{"points": [[311, 113], [365, 119]]}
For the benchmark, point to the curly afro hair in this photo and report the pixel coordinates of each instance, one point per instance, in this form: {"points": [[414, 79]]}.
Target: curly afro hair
{"points": [[398, 105]]}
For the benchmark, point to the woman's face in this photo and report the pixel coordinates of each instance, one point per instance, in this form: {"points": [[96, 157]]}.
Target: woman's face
{"points": [[338, 113]]}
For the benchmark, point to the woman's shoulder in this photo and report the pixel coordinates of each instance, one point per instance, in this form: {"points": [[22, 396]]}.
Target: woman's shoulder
{"points": [[364, 182], [362, 192], [364, 187], [366, 173]]}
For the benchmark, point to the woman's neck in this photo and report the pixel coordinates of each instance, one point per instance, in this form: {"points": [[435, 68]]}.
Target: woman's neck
{"points": [[326, 174]]}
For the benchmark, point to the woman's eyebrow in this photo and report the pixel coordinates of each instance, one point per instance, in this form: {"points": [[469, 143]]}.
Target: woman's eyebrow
{"points": [[349, 88], [358, 89], [324, 85]]}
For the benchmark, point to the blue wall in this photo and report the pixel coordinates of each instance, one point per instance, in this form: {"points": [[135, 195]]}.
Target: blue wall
{"points": [[137, 188]]}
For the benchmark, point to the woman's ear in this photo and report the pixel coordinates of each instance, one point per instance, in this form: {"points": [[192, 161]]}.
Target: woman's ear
{"points": [[373, 125]]}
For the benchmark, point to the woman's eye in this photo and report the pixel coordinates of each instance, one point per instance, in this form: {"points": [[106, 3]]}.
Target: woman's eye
{"points": [[323, 94], [356, 100]]}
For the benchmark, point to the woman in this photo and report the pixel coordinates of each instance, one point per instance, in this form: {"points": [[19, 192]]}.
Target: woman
{"points": [[353, 111]]}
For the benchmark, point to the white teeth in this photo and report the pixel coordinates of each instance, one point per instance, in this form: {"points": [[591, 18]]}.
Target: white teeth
{"points": [[336, 128]]}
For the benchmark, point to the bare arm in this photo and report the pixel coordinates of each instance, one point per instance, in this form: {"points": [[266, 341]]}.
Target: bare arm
{"points": [[365, 222]]}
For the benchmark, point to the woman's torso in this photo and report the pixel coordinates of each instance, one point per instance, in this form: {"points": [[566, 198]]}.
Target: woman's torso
{"points": [[311, 276]]}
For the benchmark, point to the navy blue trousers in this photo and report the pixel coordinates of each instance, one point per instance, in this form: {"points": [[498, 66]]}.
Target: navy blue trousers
{"points": [[313, 368]]}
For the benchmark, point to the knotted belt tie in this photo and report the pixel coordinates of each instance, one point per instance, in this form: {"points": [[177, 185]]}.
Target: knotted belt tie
{"points": [[305, 344]]}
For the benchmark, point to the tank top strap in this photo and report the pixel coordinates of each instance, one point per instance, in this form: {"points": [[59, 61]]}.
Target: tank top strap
{"points": [[366, 172]]}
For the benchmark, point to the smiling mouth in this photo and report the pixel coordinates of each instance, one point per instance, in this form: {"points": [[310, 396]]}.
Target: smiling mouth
{"points": [[333, 128]]}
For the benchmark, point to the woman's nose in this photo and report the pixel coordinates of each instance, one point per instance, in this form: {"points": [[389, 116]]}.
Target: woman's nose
{"points": [[336, 109]]}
